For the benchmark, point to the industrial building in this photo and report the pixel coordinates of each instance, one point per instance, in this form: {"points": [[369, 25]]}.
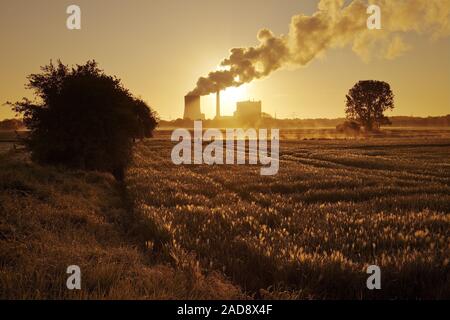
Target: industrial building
{"points": [[192, 109], [248, 110], [218, 105]]}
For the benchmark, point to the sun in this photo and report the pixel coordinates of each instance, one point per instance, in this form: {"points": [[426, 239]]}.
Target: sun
{"points": [[230, 96]]}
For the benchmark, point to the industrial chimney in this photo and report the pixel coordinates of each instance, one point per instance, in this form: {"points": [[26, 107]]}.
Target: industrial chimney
{"points": [[192, 108], [218, 104]]}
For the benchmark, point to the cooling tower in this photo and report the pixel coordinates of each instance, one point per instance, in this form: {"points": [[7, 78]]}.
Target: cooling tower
{"points": [[192, 108]]}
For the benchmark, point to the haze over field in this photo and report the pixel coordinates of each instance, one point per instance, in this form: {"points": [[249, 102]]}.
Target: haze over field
{"points": [[174, 43]]}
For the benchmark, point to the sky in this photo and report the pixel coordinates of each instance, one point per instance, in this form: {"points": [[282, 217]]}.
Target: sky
{"points": [[159, 48]]}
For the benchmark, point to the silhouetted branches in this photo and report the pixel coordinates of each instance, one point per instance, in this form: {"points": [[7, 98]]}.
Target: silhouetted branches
{"points": [[83, 118], [367, 101]]}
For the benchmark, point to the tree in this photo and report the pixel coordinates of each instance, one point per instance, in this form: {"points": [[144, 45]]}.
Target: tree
{"points": [[367, 101], [83, 118], [146, 119]]}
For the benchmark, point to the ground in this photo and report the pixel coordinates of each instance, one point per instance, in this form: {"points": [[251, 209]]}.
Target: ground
{"points": [[336, 206], [51, 218]]}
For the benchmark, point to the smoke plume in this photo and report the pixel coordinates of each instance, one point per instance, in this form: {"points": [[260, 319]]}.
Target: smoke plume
{"points": [[333, 25]]}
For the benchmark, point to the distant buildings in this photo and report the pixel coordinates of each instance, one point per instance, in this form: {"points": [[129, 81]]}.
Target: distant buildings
{"points": [[246, 111]]}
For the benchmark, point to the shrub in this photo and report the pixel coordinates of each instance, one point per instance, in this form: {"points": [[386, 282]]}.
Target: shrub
{"points": [[349, 127], [83, 118]]}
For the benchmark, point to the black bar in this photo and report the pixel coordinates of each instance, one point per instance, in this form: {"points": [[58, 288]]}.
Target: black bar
{"points": [[249, 309]]}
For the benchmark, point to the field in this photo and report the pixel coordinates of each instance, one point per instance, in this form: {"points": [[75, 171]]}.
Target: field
{"points": [[335, 207], [51, 218]]}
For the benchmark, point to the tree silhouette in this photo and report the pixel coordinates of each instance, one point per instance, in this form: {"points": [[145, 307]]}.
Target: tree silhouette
{"points": [[83, 118], [146, 119], [367, 101]]}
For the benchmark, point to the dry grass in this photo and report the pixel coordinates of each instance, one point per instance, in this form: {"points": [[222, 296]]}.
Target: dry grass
{"points": [[335, 207], [51, 218], [178, 232]]}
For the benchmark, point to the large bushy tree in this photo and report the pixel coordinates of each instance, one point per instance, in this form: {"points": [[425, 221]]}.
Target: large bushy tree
{"points": [[367, 101], [83, 118]]}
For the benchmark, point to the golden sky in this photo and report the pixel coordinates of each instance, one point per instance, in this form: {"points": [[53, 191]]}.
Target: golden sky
{"points": [[159, 48]]}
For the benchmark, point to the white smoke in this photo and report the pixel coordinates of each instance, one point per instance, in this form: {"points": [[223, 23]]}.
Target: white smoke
{"points": [[333, 25]]}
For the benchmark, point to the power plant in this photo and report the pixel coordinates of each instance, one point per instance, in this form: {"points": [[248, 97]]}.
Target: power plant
{"points": [[245, 110], [192, 109], [248, 110]]}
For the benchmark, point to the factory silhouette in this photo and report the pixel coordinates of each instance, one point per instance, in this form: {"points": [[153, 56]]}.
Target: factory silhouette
{"points": [[247, 112]]}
